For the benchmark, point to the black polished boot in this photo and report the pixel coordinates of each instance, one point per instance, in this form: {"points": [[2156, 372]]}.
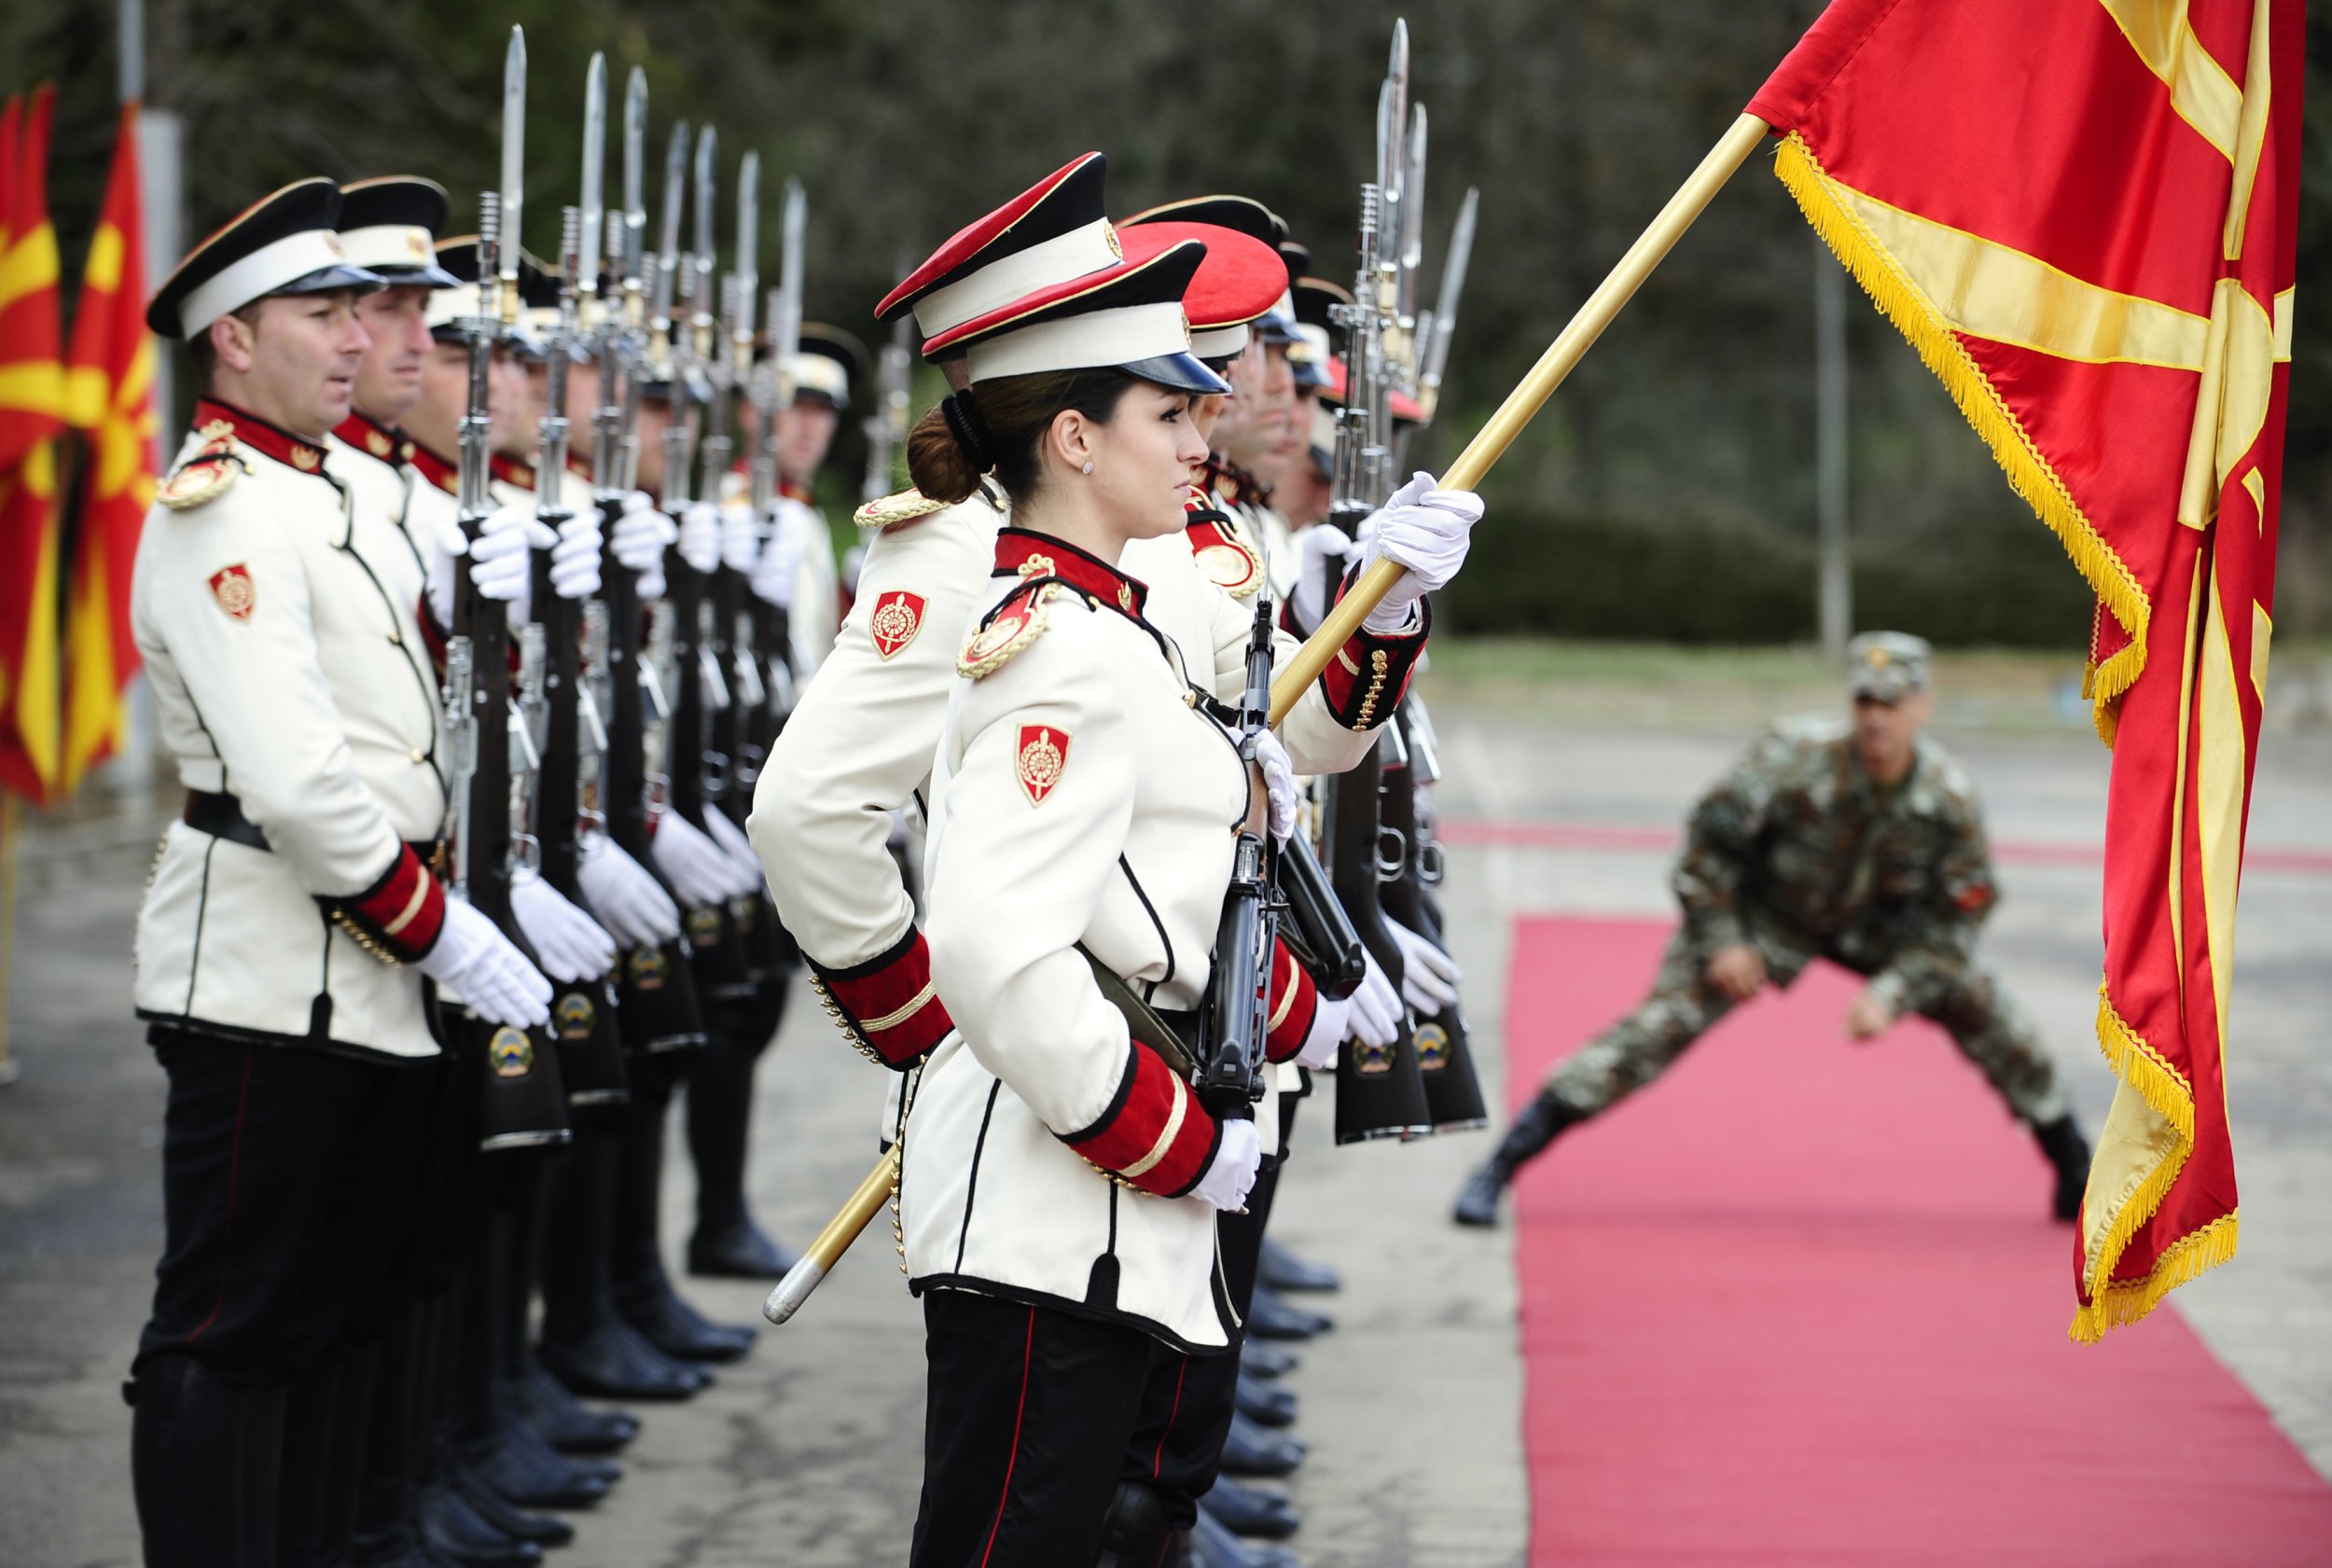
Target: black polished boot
{"points": [[1269, 1317], [204, 1464], [543, 1530], [1134, 1531], [1282, 1269], [452, 1528], [587, 1346], [2069, 1152], [1266, 1361], [1250, 1512], [726, 1243], [1213, 1544], [642, 1291], [1254, 1450], [1264, 1402], [1532, 1131], [303, 1485], [566, 1423]]}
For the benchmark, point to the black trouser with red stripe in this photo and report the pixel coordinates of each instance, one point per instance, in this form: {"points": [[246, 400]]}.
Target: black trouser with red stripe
{"points": [[1026, 1426], [272, 1198]]}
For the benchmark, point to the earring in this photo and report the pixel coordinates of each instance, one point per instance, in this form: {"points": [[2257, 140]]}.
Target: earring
{"points": [[1088, 466]]}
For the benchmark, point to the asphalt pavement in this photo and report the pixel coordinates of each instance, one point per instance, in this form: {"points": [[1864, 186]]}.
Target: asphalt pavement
{"points": [[808, 1452]]}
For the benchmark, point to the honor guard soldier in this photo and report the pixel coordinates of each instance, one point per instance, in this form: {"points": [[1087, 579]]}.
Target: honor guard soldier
{"points": [[800, 573], [293, 914], [1081, 807], [1862, 844]]}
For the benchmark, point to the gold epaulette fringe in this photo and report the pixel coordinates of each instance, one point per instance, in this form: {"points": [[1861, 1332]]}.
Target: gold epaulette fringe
{"points": [[891, 510]]}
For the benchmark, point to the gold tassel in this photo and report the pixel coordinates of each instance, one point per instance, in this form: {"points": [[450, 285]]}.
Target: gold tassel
{"points": [[2125, 1301], [2143, 1068], [1902, 302]]}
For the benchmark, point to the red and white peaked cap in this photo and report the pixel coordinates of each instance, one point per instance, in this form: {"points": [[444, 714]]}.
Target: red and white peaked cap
{"points": [[1051, 233], [1241, 279], [1129, 317]]}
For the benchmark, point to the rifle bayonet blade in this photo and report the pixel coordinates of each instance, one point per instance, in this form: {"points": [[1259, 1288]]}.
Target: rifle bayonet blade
{"points": [[1394, 125], [1412, 236], [1453, 267], [594, 175], [636, 150], [513, 162], [708, 158], [786, 333], [675, 196], [747, 260]]}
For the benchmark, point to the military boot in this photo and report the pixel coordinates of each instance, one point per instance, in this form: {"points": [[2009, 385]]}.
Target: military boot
{"points": [[205, 1461], [2069, 1152], [1134, 1531], [1532, 1131]]}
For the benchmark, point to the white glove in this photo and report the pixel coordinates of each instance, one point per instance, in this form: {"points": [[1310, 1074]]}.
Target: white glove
{"points": [[1429, 976], [700, 535], [1279, 783], [739, 851], [639, 540], [1376, 1019], [741, 540], [569, 944], [575, 559], [778, 574], [1372, 1015], [1326, 551], [486, 970], [699, 869], [624, 895], [1230, 1174], [1424, 530], [499, 562]]}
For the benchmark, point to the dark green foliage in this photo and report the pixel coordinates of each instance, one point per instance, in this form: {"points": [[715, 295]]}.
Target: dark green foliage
{"points": [[1689, 429]]}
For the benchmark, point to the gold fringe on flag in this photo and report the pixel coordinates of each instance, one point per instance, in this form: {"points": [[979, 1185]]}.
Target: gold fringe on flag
{"points": [[1930, 332]]}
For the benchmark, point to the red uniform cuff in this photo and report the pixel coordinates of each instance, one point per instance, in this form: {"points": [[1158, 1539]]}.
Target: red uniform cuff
{"points": [[887, 1006], [1367, 678], [1155, 1133], [399, 917], [1295, 1002]]}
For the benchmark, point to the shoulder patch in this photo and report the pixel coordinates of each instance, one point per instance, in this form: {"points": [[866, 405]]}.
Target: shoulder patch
{"points": [[897, 617], [206, 474], [892, 511], [232, 587], [1040, 759], [1017, 623]]}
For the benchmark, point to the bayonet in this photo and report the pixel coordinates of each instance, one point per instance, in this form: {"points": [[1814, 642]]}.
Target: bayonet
{"points": [[593, 219], [700, 320], [785, 331], [513, 171], [634, 194], [748, 261], [1412, 246], [1445, 314], [668, 280]]}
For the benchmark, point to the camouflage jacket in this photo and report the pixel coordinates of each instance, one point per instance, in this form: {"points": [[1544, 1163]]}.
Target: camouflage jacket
{"points": [[1796, 851]]}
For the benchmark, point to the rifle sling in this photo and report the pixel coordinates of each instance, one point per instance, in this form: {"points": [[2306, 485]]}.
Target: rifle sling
{"points": [[1165, 1032]]}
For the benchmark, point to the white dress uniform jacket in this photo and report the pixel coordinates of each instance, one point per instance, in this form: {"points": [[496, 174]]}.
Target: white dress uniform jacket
{"points": [[859, 744], [1079, 800], [278, 625]]}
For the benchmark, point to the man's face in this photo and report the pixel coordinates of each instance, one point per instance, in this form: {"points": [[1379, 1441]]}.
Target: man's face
{"points": [[1886, 733], [436, 416], [1303, 493], [654, 418], [1269, 415], [388, 382], [804, 432], [294, 363]]}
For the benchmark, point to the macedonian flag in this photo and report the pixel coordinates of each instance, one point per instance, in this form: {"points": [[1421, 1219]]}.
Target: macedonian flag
{"points": [[109, 398], [2083, 215], [32, 404]]}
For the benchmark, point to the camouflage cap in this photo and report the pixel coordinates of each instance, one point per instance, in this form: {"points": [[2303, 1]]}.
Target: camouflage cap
{"points": [[1887, 665]]}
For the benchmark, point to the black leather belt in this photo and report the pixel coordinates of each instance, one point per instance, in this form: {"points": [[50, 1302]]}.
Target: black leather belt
{"points": [[221, 816]]}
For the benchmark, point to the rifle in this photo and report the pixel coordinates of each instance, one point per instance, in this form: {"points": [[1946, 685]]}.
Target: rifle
{"points": [[715, 946], [525, 1101], [887, 426], [658, 1003], [1234, 1018], [1445, 1058]]}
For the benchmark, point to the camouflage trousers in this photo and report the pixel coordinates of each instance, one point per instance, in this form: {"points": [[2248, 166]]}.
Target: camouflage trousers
{"points": [[1978, 1012]]}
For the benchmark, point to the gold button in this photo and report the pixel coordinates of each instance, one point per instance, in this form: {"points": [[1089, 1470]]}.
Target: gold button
{"points": [[418, 756], [397, 639]]}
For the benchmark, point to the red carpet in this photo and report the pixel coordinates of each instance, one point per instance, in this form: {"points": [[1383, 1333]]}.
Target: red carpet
{"points": [[1800, 1302]]}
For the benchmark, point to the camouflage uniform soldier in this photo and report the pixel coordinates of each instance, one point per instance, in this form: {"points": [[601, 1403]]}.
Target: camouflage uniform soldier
{"points": [[1864, 846]]}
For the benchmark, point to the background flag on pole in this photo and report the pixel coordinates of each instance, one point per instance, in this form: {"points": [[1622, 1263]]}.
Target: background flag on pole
{"points": [[32, 406], [2083, 215], [108, 398]]}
